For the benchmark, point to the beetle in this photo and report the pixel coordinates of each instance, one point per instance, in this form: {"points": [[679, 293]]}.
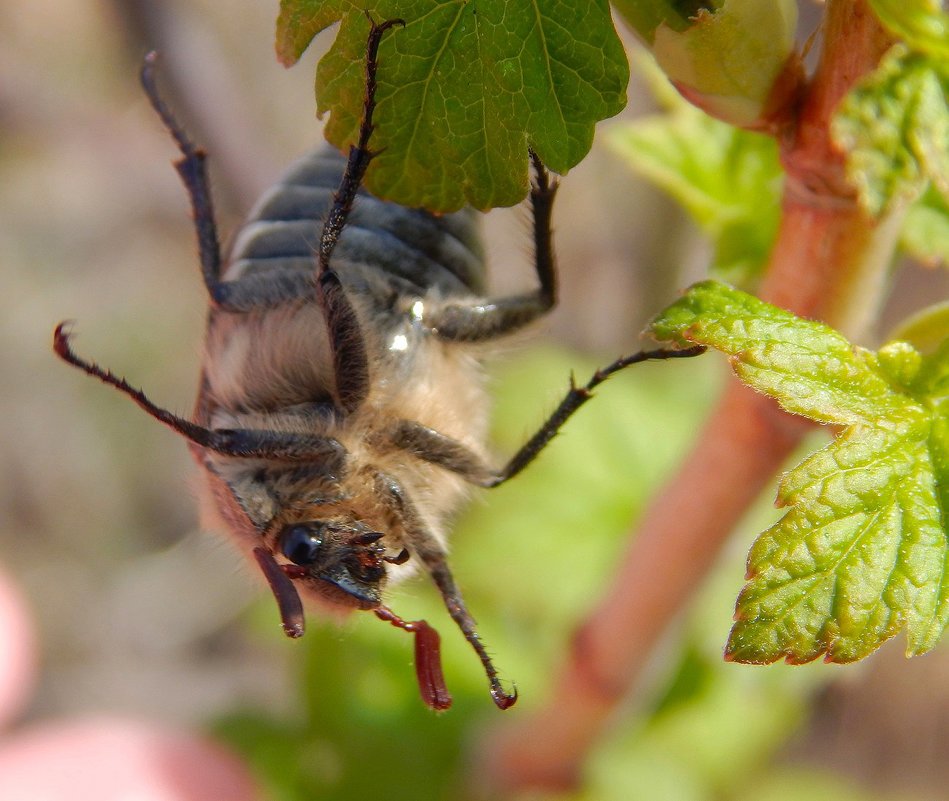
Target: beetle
{"points": [[341, 410]]}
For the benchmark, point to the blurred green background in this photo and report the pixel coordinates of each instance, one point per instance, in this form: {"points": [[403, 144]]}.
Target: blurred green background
{"points": [[141, 613]]}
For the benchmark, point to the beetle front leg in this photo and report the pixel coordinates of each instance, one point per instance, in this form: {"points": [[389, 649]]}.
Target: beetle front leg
{"points": [[250, 443], [429, 551], [350, 360]]}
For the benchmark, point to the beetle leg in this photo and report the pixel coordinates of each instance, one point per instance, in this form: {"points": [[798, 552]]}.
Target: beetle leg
{"points": [[359, 154], [192, 168], [575, 398], [424, 546], [238, 442], [436, 448], [485, 319], [350, 361], [248, 293]]}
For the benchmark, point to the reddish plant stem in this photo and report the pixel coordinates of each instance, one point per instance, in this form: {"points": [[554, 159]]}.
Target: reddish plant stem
{"points": [[827, 263]]}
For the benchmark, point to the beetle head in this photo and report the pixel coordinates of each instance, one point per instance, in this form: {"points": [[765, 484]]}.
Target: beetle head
{"points": [[343, 560]]}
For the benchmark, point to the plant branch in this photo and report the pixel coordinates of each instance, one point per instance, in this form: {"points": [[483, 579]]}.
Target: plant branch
{"points": [[828, 262]]}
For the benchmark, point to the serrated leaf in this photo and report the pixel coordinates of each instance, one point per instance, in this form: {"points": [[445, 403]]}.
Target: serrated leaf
{"points": [[894, 126], [728, 180], [862, 551], [464, 89]]}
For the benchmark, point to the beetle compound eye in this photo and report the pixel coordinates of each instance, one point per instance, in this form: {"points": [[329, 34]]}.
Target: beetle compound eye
{"points": [[301, 545]]}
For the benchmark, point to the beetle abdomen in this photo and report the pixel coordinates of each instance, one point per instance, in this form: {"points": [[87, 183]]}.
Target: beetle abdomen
{"points": [[415, 248]]}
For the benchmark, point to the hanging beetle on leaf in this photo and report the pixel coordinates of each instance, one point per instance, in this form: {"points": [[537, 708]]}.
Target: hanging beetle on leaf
{"points": [[341, 412]]}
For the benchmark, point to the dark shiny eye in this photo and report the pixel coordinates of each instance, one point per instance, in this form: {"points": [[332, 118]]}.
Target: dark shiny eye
{"points": [[301, 544]]}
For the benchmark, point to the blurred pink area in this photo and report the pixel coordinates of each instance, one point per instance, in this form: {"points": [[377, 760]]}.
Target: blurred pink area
{"points": [[108, 759], [18, 658], [100, 758]]}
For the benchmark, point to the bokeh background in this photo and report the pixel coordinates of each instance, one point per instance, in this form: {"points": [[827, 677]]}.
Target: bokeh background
{"points": [[139, 613]]}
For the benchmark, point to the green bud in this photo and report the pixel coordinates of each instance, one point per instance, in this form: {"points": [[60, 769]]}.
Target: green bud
{"points": [[899, 361], [735, 59]]}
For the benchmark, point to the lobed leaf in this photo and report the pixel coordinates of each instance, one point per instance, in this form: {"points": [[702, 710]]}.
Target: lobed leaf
{"points": [[464, 90], [861, 552], [894, 126]]}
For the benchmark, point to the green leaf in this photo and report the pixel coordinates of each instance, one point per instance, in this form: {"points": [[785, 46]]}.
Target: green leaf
{"points": [[926, 329], [894, 126], [645, 16], [925, 234], [728, 180], [464, 89], [862, 551], [922, 24]]}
